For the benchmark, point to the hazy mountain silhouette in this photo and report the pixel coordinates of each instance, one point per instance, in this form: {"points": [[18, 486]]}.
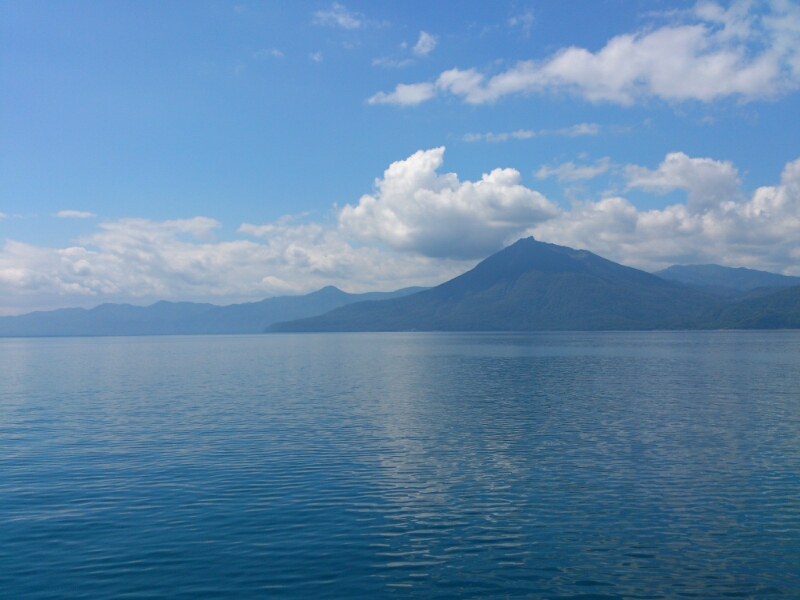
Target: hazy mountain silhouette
{"points": [[530, 285], [163, 318], [728, 282]]}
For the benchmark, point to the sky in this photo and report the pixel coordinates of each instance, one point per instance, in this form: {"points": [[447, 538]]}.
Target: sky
{"points": [[230, 151]]}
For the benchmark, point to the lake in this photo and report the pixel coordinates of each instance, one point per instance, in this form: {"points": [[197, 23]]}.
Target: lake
{"points": [[411, 465]]}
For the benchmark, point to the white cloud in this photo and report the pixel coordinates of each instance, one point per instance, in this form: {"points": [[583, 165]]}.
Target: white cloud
{"points": [[522, 134], [405, 95], [74, 214], [418, 227], [524, 20], [707, 181], [705, 54], [3, 216], [569, 171], [580, 129], [425, 44], [141, 260], [339, 16], [526, 134], [267, 53], [391, 62], [761, 232], [415, 209], [316, 57]]}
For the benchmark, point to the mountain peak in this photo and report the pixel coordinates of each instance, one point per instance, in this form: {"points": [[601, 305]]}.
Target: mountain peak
{"points": [[529, 257], [328, 290], [530, 285]]}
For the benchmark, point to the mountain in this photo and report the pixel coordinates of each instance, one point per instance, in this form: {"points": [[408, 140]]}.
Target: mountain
{"points": [[164, 318], [530, 285], [727, 282], [779, 310]]}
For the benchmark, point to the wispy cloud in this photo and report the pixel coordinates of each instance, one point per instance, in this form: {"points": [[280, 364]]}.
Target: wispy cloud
{"points": [[580, 129], [405, 95], [425, 44], [520, 134], [338, 16], [316, 57], [268, 53], [74, 214], [524, 134], [704, 54], [392, 62], [523, 20], [569, 171]]}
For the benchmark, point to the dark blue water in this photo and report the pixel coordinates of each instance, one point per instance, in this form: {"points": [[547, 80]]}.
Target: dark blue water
{"points": [[635, 465]]}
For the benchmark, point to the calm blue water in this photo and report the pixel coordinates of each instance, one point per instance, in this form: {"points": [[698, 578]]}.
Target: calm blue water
{"points": [[609, 465]]}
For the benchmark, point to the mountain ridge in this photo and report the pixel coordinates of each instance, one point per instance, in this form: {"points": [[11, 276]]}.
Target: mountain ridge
{"points": [[727, 282], [182, 318], [528, 286]]}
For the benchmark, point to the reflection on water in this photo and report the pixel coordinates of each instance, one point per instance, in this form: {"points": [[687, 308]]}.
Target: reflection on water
{"points": [[604, 465]]}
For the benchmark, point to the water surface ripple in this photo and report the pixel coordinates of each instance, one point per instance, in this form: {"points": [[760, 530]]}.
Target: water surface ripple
{"points": [[565, 465]]}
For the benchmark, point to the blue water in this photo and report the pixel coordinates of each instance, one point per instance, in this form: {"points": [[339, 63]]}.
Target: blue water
{"points": [[607, 465]]}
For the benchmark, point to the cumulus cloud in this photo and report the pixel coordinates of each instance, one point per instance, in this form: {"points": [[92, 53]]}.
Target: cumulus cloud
{"points": [[569, 171], [143, 260], [418, 227], [425, 44], [74, 214], [762, 231], [339, 16], [747, 51], [708, 182], [414, 208], [417, 210]]}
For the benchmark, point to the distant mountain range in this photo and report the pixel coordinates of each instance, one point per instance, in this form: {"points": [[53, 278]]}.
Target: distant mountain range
{"points": [[537, 286], [727, 282], [166, 318], [528, 286]]}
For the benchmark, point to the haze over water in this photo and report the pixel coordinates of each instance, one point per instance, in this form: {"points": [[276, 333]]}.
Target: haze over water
{"points": [[588, 465]]}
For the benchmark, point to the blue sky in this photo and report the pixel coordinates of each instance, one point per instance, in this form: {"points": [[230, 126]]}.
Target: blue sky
{"points": [[228, 151]]}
